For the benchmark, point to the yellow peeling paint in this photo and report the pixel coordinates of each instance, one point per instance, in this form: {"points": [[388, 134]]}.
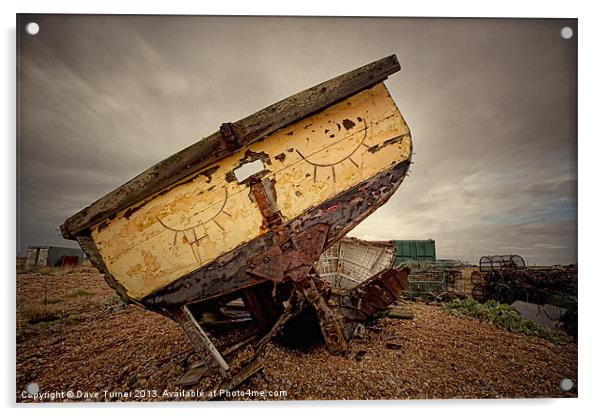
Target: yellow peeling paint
{"points": [[177, 231]]}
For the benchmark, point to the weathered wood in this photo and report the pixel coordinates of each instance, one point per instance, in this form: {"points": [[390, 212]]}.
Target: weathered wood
{"points": [[399, 312], [224, 275], [243, 374], [199, 369], [204, 216], [198, 338], [89, 246], [216, 146], [261, 305]]}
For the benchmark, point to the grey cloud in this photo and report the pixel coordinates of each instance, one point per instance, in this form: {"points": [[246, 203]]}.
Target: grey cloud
{"points": [[491, 104]]}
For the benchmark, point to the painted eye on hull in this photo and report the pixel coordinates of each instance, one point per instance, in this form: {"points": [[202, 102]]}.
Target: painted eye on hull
{"points": [[196, 230], [348, 157]]}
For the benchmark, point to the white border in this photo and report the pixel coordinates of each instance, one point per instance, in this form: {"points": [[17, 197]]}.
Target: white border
{"points": [[590, 94]]}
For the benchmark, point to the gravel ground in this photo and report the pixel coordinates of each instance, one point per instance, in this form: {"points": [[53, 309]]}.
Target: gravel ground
{"points": [[94, 344]]}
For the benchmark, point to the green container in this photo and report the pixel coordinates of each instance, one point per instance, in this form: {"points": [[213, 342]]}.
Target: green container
{"points": [[414, 251]]}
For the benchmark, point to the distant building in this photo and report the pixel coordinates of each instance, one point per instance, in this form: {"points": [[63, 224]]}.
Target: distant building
{"points": [[40, 256], [414, 251]]}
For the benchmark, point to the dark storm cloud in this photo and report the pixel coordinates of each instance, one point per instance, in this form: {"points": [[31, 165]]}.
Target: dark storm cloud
{"points": [[491, 105]]}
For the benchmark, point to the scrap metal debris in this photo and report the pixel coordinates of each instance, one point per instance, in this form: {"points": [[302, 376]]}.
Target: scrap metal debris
{"points": [[507, 279]]}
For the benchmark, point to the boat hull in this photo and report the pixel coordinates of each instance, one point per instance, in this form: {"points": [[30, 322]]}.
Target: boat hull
{"points": [[230, 272], [196, 234]]}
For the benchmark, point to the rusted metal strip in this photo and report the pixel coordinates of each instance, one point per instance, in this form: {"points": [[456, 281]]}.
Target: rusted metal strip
{"points": [[370, 298], [331, 330], [264, 195], [274, 264]]}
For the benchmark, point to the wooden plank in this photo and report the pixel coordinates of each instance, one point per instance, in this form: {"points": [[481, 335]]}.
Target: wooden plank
{"points": [[199, 339], [400, 312], [215, 147], [160, 239], [261, 305], [224, 275], [201, 368]]}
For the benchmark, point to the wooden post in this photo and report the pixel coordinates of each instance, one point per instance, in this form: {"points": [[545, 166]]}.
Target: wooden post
{"points": [[199, 338]]}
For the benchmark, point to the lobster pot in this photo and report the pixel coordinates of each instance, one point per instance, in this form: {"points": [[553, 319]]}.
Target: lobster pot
{"points": [[351, 261]]}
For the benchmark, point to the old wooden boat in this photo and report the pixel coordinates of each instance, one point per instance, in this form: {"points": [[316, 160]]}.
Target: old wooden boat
{"points": [[363, 279], [247, 211]]}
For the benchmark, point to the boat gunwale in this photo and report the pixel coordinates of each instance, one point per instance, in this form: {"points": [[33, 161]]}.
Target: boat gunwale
{"points": [[217, 146]]}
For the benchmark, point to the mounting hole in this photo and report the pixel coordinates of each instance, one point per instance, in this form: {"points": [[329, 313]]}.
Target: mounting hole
{"points": [[248, 169], [566, 384], [32, 28], [566, 32], [32, 388]]}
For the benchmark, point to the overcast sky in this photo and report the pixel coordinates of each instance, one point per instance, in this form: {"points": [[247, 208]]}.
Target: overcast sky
{"points": [[491, 105]]}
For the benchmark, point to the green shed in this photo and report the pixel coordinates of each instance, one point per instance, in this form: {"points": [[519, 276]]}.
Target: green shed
{"points": [[410, 251]]}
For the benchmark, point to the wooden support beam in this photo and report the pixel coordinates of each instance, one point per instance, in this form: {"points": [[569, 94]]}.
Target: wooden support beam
{"points": [[260, 304], [199, 338]]}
